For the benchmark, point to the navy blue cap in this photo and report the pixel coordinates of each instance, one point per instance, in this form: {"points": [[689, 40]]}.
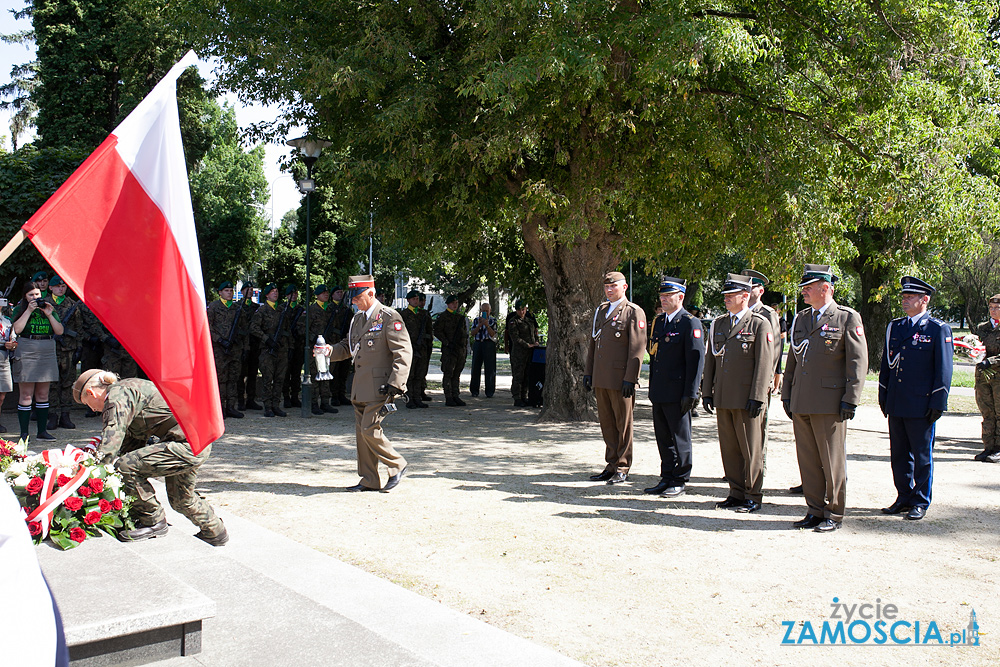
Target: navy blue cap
{"points": [[912, 285]]}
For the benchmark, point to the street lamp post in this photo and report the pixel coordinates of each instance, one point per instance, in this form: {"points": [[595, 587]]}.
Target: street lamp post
{"points": [[309, 148]]}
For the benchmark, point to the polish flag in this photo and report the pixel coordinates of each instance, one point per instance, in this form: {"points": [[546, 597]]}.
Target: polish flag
{"points": [[120, 231]]}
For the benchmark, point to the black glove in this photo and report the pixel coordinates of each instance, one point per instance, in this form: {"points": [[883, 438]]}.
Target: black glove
{"points": [[388, 389], [847, 410], [754, 408], [787, 405], [934, 415], [708, 404], [628, 389], [984, 364], [588, 382], [687, 404]]}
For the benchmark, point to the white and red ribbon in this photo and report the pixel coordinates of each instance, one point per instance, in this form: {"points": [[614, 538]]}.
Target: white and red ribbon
{"points": [[49, 502]]}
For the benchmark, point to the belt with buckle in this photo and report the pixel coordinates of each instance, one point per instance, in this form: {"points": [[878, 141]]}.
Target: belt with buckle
{"points": [[49, 337]]}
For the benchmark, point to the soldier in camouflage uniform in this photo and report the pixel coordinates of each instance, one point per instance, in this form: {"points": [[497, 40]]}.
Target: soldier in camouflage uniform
{"points": [[134, 412], [420, 327], [321, 313], [340, 370], [270, 325], [92, 344], [222, 323], [296, 348], [246, 385], [521, 337], [452, 329], [61, 394], [988, 383]]}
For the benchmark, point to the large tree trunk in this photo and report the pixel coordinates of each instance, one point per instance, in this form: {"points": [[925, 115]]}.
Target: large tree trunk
{"points": [[875, 315], [574, 280]]}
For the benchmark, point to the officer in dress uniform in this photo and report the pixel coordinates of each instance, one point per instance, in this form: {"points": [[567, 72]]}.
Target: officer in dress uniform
{"points": [[824, 376], [61, 394], [378, 342], [420, 328], [738, 376], [617, 346], [913, 385], [988, 383], [676, 361], [222, 314]]}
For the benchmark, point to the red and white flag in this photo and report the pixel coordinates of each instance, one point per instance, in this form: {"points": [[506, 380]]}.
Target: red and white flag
{"points": [[120, 231]]}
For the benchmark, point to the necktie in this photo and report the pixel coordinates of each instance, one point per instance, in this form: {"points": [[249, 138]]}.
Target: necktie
{"points": [[816, 315], [732, 321]]}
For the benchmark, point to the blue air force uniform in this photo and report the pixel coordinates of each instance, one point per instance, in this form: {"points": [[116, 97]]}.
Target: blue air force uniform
{"points": [[676, 361], [914, 381]]}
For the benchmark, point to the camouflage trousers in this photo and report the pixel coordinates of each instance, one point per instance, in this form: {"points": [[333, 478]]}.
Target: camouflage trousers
{"points": [[61, 391], [321, 388], [988, 400], [178, 466], [519, 373], [273, 371], [117, 360], [451, 367], [227, 368]]}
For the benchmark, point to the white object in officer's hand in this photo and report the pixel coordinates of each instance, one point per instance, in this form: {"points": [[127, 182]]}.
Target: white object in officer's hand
{"points": [[322, 360]]}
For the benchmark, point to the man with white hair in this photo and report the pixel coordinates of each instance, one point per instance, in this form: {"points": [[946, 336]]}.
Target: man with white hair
{"points": [[380, 346], [617, 347]]}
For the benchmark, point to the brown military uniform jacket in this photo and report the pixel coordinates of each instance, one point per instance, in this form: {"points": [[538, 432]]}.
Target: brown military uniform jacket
{"points": [[381, 350], [220, 320], [827, 361], [739, 361], [617, 345]]}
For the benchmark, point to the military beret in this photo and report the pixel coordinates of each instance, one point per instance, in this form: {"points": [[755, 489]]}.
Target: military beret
{"points": [[736, 283], [451, 298], [337, 288], [268, 288], [224, 285], [519, 304], [41, 275], [55, 281], [320, 289], [670, 285], [291, 288], [756, 277], [613, 277], [414, 294], [815, 273], [912, 285]]}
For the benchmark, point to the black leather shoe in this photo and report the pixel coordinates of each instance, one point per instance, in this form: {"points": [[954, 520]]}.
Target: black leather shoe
{"points": [[916, 513], [393, 481], [215, 541], [748, 506], [796, 490], [811, 521], [421, 404], [602, 476], [981, 456], [728, 503], [360, 487], [897, 507], [828, 526], [450, 403], [279, 412], [518, 403], [673, 491], [658, 489], [617, 478], [459, 402], [45, 435], [144, 532]]}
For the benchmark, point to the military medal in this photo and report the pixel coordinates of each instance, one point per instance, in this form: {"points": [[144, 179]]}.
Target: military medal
{"points": [[370, 342]]}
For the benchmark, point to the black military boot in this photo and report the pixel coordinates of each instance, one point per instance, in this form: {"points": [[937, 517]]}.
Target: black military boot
{"points": [[279, 412], [316, 410], [254, 405], [326, 407], [53, 422], [64, 421]]}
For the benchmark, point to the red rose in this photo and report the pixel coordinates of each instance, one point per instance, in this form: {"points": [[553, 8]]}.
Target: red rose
{"points": [[62, 480], [35, 485], [92, 518], [84, 491], [116, 505], [97, 485], [104, 506], [4, 451], [77, 534], [73, 503], [35, 528]]}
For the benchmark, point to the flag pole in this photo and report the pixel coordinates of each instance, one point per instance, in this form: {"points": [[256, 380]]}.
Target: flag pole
{"points": [[12, 245]]}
